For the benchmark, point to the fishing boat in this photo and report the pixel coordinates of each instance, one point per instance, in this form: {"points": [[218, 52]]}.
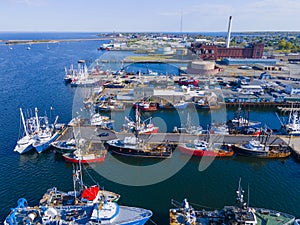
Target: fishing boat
{"points": [[136, 147], [65, 146], [112, 213], [202, 148], [293, 125], [260, 149], [44, 139], [188, 82], [138, 126], [84, 82], [87, 205], [80, 195], [109, 106], [70, 74], [146, 106], [219, 129], [93, 153], [241, 123], [241, 213], [114, 84], [24, 214], [181, 105], [77, 156], [24, 144], [101, 121], [45, 134], [189, 129], [297, 222]]}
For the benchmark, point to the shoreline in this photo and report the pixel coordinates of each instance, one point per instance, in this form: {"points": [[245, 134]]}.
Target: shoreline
{"points": [[24, 42]]}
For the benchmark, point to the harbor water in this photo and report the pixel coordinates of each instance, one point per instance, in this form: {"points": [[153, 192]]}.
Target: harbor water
{"points": [[34, 78]]}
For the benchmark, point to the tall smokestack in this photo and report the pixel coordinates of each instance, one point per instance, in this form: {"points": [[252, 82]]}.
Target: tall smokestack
{"points": [[229, 31]]}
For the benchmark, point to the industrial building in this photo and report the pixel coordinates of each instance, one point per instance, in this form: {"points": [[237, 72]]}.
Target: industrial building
{"points": [[247, 61], [215, 52]]}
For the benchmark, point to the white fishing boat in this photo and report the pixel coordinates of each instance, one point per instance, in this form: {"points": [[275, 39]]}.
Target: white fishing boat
{"points": [[219, 129], [140, 127], [83, 205], [65, 146], [189, 129], [260, 149], [293, 125], [81, 78], [24, 144], [181, 105], [102, 121], [45, 134], [44, 139]]}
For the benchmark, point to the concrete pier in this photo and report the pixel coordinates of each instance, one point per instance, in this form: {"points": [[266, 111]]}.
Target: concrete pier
{"points": [[91, 133], [294, 143]]}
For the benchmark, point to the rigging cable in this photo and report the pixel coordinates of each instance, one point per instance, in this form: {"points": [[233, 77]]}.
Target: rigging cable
{"points": [[90, 175], [152, 221]]}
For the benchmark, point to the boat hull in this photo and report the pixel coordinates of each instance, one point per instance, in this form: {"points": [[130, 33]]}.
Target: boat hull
{"points": [[273, 152], [150, 131], [45, 145], [69, 157], [152, 152], [205, 153], [129, 216], [24, 147], [61, 149], [241, 150]]}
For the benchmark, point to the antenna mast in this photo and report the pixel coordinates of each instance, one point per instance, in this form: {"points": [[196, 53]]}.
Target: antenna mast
{"points": [[181, 21]]}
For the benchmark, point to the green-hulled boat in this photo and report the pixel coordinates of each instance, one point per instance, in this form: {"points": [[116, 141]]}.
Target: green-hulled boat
{"points": [[241, 214]]}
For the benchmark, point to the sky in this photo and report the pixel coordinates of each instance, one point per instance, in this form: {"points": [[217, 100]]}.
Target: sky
{"points": [[149, 16]]}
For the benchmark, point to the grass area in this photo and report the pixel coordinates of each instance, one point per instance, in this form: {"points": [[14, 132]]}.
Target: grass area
{"points": [[148, 58]]}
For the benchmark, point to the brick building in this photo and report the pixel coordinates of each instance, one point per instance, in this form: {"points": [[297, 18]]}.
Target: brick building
{"points": [[214, 52]]}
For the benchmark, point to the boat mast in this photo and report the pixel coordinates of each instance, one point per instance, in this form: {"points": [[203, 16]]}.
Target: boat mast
{"points": [[23, 121], [80, 172], [37, 119], [137, 119], [240, 196], [248, 195], [188, 122], [74, 180]]}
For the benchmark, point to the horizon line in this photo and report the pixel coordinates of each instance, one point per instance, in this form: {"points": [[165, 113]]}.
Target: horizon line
{"points": [[179, 32]]}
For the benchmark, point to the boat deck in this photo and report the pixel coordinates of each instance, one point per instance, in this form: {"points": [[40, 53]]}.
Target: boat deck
{"points": [[273, 217]]}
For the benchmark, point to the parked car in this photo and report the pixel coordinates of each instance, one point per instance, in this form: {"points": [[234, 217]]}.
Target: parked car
{"points": [[104, 134]]}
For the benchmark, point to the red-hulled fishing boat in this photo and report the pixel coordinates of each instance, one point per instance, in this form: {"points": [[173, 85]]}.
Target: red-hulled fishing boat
{"points": [[201, 148]]}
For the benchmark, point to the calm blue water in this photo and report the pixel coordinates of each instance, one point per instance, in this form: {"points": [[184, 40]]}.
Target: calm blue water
{"points": [[44, 35], [34, 78]]}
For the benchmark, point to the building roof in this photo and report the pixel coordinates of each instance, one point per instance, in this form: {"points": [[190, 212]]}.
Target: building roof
{"points": [[247, 61], [294, 85]]}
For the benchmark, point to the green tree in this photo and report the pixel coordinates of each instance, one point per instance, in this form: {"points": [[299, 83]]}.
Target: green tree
{"points": [[282, 44], [288, 46]]}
